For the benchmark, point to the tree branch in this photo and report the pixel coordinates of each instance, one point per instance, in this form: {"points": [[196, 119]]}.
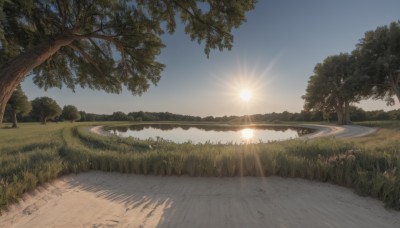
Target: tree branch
{"points": [[197, 17], [111, 39], [118, 45], [86, 56], [63, 13], [86, 10], [97, 47], [60, 12]]}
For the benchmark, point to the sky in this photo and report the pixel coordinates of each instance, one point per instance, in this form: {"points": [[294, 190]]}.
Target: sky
{"points": [[273, 56]]}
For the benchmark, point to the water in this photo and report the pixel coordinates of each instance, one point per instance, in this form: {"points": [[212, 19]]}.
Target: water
{"points": [[180, 133]]}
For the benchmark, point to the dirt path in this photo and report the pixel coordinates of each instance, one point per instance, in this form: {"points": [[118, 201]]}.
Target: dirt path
{"points": [[97, 199], [347, 131]]}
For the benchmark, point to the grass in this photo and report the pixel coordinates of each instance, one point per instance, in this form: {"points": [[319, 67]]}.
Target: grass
{"points": [[35, 154]]}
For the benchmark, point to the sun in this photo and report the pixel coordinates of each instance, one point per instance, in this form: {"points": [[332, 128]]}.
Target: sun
{"points": [[245, 95]]}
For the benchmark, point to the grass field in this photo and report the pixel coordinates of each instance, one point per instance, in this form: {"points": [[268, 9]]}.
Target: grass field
{"points": [[35, 154]]}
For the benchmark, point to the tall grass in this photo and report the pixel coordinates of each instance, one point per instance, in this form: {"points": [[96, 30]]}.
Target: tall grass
{"points": [[35, 154], [28, 157]]}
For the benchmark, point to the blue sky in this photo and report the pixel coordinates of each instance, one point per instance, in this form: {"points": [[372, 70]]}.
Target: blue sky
{"points": [[274, 54]]}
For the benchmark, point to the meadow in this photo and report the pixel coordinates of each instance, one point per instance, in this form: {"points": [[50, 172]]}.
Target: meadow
{"points": [[35, 154]]}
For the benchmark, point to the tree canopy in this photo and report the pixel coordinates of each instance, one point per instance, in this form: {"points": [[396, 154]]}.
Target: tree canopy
{"points": [[45, 108], [104, 44], [18, 104], [334, 86], [378, 55], [119, 116], [70, 113]]}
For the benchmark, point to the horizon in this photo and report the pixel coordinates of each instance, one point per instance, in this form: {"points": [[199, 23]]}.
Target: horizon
{"points": [[229, 116], [275, 64]]}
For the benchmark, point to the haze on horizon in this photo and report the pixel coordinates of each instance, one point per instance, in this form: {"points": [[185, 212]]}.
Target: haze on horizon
{"points": [[274, 54]]}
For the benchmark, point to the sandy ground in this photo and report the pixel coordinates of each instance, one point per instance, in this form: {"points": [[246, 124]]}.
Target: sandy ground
{"points": [[97, 199], [99, 130]]}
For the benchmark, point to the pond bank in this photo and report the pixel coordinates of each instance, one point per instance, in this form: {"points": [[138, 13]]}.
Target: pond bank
{"points": [[347, 131]]}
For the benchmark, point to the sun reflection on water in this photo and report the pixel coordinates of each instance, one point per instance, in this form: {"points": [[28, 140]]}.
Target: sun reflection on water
{"points": [[247, 134]]}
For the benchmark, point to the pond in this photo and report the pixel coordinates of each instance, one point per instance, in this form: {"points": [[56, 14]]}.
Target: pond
{"points": [[181, 133]]}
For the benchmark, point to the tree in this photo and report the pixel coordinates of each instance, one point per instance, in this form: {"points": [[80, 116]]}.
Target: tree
{"points": [[18, 104], [103, 44], [45, 108], [357, 114], [70, 113], [394, 114], [334, 87], [379, 59], [120, 116], [83, 116]]}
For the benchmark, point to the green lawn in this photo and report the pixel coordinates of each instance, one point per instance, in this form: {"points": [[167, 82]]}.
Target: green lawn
{"points": [[34, 154]]}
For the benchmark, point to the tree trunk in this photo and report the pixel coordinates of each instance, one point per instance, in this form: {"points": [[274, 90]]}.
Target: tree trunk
{"points": [[14, 119], [343, 114], [394, 83], [15, 70], [43, 119], [340, 113], [396, 90], [347, 113]]}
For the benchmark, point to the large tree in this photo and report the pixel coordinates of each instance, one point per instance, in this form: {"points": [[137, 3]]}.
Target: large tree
{"points": [[378, 56], [103, 44], [333, 87], [45, 108], [70, 113], [18, 104]]}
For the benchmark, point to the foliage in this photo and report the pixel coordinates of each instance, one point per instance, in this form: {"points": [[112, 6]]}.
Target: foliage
{"points": [[357, 114], [45, 108], [120, 116], [334, 87], [111, 44], [161, 116], [18, 104], [70, 113], [35, 154], [378, 56]]}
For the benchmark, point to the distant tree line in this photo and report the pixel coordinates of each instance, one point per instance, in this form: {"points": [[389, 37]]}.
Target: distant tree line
{"points": [[44, 109], [138, 116], [356, 114], [40, 109]]}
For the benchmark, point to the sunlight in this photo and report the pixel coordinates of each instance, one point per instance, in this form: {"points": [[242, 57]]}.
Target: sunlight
{"points": [[255, 78], [247, 134], [245, 95]]}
